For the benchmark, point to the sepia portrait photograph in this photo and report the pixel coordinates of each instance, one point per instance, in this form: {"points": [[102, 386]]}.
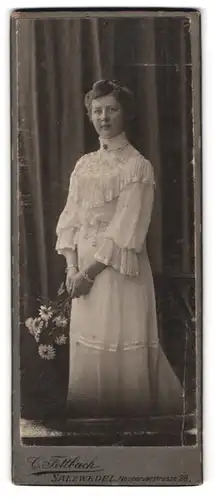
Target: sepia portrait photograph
{"points": [[107, 167]]}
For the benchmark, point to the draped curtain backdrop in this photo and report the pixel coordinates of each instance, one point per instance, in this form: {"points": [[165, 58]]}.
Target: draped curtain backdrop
{"points": [[58, 60]]}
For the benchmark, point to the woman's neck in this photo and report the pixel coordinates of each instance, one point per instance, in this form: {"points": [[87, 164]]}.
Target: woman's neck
{"points": [[113, 143]]}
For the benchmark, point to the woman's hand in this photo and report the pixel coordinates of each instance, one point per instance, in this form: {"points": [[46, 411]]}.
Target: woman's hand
{"points": [[71, 273], [94, 269], [77, 284], [80, 286]]}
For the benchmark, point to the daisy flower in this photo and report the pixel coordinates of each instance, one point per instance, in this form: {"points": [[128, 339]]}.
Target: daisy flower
{"points": [[29, 325], [37, 326], [45, 313], [62, 339], [46, 351], [37, 337], [60, 320]]}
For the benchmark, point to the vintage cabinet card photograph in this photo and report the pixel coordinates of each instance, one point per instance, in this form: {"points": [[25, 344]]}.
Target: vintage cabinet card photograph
{"points": [[106, 247]]}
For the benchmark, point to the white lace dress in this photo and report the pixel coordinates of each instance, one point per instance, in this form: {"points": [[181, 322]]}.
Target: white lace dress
{"points": [[116, 363]]}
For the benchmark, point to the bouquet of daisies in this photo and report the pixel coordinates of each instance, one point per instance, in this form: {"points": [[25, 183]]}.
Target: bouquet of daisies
{"points": [[50, 327]]}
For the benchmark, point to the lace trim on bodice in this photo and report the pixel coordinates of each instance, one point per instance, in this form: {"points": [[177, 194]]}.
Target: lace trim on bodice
{"points": [[100, 177]]}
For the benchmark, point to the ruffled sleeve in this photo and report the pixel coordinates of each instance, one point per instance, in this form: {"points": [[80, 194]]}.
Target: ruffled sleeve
{"points": [[68, 226], [125, 236]]}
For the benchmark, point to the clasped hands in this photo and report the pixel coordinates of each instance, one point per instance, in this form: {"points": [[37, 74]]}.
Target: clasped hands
{"points": [[77, 284]]}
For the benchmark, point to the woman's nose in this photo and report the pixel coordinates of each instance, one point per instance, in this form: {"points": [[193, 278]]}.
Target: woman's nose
{"points": [[104, 114]]}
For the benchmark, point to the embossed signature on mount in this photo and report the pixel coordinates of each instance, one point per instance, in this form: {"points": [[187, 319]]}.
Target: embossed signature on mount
{"points": [[58, 463]]}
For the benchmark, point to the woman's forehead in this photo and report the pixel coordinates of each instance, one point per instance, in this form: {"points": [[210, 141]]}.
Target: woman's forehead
{"points": [[106, 100]]}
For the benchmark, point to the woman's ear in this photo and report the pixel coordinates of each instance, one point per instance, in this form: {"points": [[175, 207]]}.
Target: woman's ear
{"points": [[89, 114], [87, 103]]}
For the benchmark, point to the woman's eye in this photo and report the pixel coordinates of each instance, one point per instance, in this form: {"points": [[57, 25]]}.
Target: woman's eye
{"points": [[111, 109]]}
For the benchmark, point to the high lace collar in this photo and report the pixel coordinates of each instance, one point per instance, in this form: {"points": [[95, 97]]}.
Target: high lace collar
{"points": [[114, 143]]}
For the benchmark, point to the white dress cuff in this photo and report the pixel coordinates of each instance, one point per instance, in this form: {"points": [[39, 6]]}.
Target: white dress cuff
{"points": [[123, 260], [67, 239]]}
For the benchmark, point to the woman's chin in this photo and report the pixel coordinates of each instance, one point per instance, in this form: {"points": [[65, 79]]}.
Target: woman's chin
{"points": [[108, 133], [105, 133]]}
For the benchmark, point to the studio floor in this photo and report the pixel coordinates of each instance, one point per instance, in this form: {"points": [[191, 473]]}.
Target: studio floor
{"points": [[153, 431]]}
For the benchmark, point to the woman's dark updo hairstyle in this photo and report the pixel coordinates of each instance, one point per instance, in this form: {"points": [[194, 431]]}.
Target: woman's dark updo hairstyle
{"points": [[122, 94]]}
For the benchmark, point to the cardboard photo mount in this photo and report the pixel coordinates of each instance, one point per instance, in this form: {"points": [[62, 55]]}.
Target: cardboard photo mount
{"points": [[138, 452]]}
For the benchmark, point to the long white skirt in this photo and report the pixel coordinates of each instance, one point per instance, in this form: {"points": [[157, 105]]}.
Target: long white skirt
{"points": [[117, 366]]}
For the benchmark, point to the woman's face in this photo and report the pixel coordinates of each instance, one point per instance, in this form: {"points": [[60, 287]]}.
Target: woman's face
{"points": [[107, 116]]}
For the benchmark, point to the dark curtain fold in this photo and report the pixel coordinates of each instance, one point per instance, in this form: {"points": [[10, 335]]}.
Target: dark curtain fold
{"points": [[149, 102], [29, 130], [58, 60]]}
